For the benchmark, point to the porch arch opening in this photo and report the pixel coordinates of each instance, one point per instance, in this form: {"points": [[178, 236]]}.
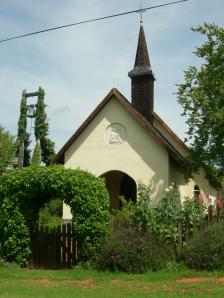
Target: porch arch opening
{"points": [[196, 191], [119, 184]]}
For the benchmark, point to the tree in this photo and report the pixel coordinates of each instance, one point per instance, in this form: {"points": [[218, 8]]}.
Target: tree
{"points": [[41, 124], [202, 97], [41, 129], [23, 151], [7, 149], [48, 152], [36, 158]]}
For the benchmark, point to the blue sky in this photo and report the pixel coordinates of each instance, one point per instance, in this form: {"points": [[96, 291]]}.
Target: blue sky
{"points": [[79, 65]]}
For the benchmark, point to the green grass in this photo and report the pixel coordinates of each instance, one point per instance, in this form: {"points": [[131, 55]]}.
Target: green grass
{"points": [[17, 282]]}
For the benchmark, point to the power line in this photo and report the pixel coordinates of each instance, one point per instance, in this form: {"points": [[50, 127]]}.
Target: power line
{"points": [[92, 20]]}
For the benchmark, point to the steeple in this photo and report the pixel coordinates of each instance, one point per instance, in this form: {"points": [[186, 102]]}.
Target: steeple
{"points": [[142, 79], [142, 56]]}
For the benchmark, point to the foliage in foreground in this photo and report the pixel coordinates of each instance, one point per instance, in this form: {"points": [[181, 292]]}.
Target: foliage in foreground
{"points": [[144, 236], [205, 250], [160, 219], [129, 250], [24, 191]]}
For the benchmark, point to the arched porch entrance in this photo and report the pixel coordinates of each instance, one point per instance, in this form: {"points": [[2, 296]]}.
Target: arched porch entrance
{"points": [[119, 184]]}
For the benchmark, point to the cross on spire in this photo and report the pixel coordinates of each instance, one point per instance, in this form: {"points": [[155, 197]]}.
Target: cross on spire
{"points": [[141, 11]]}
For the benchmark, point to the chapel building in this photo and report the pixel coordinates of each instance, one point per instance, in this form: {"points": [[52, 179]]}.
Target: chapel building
{"points": [[127, 142]]}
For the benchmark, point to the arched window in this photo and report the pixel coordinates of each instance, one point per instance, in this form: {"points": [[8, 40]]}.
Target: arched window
{"points": [[196, 191]]}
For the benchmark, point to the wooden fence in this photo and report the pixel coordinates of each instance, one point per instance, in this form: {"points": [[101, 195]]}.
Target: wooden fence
{"points": [[57, 248], [53, 248], [185, 230]]}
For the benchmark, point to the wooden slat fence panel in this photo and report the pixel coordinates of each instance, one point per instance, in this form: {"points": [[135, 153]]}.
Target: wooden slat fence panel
{"points": [[69, 246], [210, 214], [64, 245], [185, 231], [53, 248]]}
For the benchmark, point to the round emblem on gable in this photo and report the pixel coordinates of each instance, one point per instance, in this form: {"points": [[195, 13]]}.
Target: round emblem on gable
{"points": [[115, 134]]}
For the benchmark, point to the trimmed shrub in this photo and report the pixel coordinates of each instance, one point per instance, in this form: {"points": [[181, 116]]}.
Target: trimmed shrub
{"points": [[130, 250], [205, 250]]}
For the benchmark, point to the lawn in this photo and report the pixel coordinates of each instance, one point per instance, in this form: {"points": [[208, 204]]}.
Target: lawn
{"points": [[17, 282]]}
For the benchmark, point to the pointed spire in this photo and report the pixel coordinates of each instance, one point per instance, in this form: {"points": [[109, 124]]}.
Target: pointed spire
{"points": [[142, 63], [142, 56]]}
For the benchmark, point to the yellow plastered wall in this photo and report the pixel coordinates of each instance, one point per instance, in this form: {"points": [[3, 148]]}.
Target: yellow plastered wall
{"points": [[140, 156], [186, 188]]}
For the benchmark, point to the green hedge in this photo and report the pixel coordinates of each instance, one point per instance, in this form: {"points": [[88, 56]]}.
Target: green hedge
{"points": [[24, 191]]}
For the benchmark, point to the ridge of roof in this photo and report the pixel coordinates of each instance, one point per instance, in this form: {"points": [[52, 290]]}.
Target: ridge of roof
{"points": [[143, 121]]}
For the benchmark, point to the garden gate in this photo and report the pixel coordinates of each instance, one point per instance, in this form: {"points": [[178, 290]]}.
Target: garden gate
{"points": [[53, 248]]}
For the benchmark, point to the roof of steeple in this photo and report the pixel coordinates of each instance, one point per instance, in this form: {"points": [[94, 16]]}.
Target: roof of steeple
{"points": [[142, 56], [142, 63]]}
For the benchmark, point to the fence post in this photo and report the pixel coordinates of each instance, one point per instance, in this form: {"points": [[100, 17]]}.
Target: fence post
{"points": [[46, 247], [218, 213], [58, 247], [42, 247], [69, 245], [180, 234], [32, 257], [64, 244], [187, 232], [54, 248], [209, 214]]}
